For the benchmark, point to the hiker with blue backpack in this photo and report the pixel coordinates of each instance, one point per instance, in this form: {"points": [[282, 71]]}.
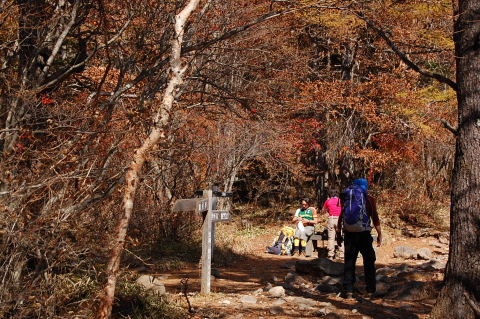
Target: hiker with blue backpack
{"points": [[306, 218], [359, 210], [333, 208]]}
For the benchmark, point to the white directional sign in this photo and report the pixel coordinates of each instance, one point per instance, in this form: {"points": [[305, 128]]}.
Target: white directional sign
{"points": [[221, 216], [202, 206]]}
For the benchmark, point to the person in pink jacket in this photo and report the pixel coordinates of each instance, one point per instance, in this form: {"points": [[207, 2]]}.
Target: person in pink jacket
{"points": [[333, 207]]}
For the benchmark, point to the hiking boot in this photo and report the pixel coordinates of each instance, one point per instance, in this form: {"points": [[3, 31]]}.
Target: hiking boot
{"points": [[302, 254], [295, 252], [370, 295], [349, 296]]}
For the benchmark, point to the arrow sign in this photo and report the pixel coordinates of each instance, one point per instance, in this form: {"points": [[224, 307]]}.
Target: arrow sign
{"points": [[221, 216], [198, 205]]}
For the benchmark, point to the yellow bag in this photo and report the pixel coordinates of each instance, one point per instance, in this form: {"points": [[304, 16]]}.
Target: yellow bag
{"points": [[282, 244]]}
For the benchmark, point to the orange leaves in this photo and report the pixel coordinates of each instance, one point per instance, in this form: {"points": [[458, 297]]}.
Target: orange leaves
{"points": [[396, 148], [387, 125]]}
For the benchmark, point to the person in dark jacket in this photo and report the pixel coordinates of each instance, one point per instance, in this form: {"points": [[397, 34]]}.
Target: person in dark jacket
{"points": [[362, 242]]}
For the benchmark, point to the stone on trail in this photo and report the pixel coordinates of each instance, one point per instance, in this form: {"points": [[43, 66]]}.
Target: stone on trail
{"points": [[404, 252], [326, 288], [383, 278], [331, 280], [248, 299], [279, 301], [433, 264], [303, 301], [277, 292], [424, 253], [258, 291], [277, 310], [435, 243], [415, 291], [305, 307], [152, 284], [294, 279], [268, 286], [382, 289]]}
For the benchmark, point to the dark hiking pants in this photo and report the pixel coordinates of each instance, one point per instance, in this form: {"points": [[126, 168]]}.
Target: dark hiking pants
{"points": [[354, 243]]}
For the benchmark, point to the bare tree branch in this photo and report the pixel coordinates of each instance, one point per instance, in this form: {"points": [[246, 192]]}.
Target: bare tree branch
{"points": [[60, 41], [403, 57], [449, 127]]}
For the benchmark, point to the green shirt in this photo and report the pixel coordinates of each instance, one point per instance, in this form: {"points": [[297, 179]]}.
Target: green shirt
{"points": [[307, 214]]}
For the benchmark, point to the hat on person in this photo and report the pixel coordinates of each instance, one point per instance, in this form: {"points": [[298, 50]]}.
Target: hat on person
{"points": [[363, 183]]}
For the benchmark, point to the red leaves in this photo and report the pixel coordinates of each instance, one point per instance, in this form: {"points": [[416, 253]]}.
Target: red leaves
{"points": [[20, 148], [47, 100]]}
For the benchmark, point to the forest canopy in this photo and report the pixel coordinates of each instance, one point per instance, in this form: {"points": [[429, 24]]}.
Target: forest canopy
{"points": [[276, 100]]}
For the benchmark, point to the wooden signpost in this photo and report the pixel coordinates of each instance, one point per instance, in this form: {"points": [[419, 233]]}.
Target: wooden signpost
{"points": [[205, 206]]}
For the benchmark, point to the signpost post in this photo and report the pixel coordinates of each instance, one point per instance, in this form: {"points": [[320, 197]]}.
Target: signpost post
{"points": [[207, 247], [200, 206]]}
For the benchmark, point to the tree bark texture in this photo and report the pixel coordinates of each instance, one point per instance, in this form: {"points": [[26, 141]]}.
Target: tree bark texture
{"points": [[460, 296], [348, 59], [161, 120]]}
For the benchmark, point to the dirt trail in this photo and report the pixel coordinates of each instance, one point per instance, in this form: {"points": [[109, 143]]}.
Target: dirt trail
{"points": [[245, 276]]}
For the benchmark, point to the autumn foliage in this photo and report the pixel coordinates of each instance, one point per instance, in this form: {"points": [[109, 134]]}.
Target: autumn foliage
{"points": [[272, 107]]}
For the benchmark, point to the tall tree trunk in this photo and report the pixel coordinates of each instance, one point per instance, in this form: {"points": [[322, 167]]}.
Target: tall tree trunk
{"points": [[322, 169], [348, 59], [460, 296], [161, 120]]}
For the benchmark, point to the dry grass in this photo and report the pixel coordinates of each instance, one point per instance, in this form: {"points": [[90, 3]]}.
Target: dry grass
{"points": [[234, 240], [414, 213]]}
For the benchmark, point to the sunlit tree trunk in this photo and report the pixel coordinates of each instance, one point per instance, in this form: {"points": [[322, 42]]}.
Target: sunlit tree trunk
{"points": [[162, 118], [460, 296], [320, 180]]}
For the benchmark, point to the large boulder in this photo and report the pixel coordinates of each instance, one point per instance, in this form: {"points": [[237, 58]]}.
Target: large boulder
{"points": [[292, 279], [404, 252], [424, 253], [320, 266]]}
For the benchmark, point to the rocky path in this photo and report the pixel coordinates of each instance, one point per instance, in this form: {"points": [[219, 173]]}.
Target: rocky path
{"points": [[409, 273]]}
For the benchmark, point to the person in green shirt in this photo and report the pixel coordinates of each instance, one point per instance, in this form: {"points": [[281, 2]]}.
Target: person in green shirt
{"points": [[306, 218]]}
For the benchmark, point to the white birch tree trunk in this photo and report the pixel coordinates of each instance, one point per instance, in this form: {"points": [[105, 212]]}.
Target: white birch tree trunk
{"points": [[161, 119]]}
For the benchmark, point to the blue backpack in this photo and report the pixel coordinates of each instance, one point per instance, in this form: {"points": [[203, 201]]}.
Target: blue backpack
{"points": [[355, 218]]}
